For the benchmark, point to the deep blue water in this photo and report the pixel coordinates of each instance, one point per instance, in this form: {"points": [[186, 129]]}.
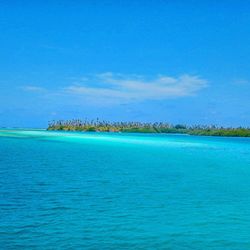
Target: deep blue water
{"points": [[123, 191]]}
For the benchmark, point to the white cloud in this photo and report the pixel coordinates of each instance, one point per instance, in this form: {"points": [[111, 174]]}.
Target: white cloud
{"points": [[241, 82], [112, 87], [31, 88], [108, 88]]}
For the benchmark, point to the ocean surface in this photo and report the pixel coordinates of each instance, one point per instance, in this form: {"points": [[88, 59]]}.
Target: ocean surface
{"points": [[66, 190]]}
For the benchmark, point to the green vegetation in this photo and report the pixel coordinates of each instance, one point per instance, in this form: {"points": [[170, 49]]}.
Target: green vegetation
{"points": [[139, 127]]}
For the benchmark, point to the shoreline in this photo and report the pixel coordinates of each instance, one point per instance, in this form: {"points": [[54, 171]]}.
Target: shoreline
{"points": [[213, 133], [235, 132]]}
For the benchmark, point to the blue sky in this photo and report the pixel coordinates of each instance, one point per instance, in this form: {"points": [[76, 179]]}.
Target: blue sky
{"points": [[174, 61]]}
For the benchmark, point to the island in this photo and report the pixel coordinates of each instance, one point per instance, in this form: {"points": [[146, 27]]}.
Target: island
{"points": [[145, 127]]}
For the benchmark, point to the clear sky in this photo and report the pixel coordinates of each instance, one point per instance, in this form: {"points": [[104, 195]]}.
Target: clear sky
{"points": [[174, 61]]}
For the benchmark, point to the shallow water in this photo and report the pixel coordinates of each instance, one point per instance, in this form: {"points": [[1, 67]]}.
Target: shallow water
{"points": [[65, 190]]}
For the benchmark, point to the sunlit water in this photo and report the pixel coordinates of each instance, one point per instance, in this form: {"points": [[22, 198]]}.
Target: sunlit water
{"points": [[123, 191]]}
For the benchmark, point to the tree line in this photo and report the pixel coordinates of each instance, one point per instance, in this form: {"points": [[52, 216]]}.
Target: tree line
{"points": [[97, 125]]}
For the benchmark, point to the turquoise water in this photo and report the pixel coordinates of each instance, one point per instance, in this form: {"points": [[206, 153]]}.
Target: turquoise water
{"points": [[62, 190]]}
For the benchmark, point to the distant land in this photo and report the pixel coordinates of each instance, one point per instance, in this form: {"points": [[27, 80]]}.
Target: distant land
{"points": [[140, 127]]}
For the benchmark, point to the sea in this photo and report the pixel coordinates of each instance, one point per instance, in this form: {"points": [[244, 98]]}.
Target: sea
{"points": [[77, 190]]}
